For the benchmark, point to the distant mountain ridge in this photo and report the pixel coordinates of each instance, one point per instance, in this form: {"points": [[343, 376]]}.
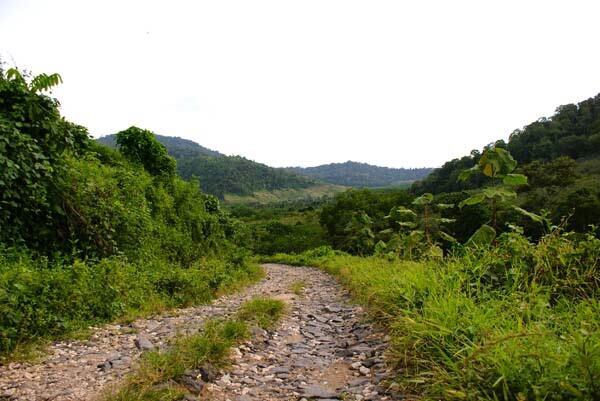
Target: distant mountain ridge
{"points": [[223, 175], [177, 147], [219, 174], [355, 174]]}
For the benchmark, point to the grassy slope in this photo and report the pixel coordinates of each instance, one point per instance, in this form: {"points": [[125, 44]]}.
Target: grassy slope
{"points": [[281, 195], [453, 338]]}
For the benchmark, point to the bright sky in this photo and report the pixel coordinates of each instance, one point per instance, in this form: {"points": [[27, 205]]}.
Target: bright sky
{"points": [[394, 83]]}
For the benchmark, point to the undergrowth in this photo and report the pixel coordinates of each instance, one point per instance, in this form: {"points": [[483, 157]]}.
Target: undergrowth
{"points": [[518, 321], [41, 299]]}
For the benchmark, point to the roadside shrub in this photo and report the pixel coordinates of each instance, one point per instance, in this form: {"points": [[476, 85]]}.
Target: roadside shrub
{"points": [[42, 298], [33, 139]]}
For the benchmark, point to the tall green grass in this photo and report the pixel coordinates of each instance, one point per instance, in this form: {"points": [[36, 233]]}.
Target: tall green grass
{"points": [[520, 321]]}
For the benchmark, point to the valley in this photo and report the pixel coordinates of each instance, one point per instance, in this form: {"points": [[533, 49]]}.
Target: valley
{"points": [[145, 267]]}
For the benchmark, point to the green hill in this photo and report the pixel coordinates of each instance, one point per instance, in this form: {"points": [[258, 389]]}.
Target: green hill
{"points": [[356, 174], [573, 131], [221, 175], [559, 154]]}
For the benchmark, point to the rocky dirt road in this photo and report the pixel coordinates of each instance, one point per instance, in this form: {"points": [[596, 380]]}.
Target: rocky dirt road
{"points": [[322, 349]]}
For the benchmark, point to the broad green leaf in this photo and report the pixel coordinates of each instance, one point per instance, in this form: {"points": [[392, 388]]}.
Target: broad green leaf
{"points": [[446, 237], [445, 205], [532, 216], [504, 193], [424, 199], [482, 237], [488, 169], [466, 174], [435, 252], [473, 200], [515, 179]]}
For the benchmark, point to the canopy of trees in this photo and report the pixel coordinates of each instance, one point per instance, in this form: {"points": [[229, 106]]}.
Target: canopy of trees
{"points": [[573, 131]]}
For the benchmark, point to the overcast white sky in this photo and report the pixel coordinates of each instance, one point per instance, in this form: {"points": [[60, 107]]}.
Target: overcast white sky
{"points": [[394, 83]]}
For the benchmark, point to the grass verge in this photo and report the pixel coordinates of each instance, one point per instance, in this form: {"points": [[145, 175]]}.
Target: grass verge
{"points": [[460, 332], [42, 301], [172, 374]]}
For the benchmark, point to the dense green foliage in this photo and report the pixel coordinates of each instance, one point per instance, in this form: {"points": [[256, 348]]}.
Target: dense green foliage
{"points": [[561, 157], [338, 214], [33, 138], [89, 234], [359, 175], [140, 147], [281, 227], [219, 174], [518, 321]]}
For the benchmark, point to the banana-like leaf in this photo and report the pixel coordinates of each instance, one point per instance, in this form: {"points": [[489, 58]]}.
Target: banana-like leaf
{"points": [[482, 237], [503, 193], [473, 200], [380, 247], [401, 213], [515, 179], [416, 234], [446, 237], [445, 220], [466, 174], [445, 205], [424, 199], [532, 216]]}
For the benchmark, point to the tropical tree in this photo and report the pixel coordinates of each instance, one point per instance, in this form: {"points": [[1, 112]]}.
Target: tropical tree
{"points": [[415, 233], [359, 234], [498, 166], [141, 147]]}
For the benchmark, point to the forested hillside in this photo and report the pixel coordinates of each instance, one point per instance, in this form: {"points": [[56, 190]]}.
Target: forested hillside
{"points": [[561, 157], [573, 132], [353, 174], [238, 175], [219, 174]]}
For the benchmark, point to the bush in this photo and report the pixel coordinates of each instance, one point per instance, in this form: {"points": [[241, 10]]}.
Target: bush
{"points": [[33, 139], [141, 147], [45, 299]]}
